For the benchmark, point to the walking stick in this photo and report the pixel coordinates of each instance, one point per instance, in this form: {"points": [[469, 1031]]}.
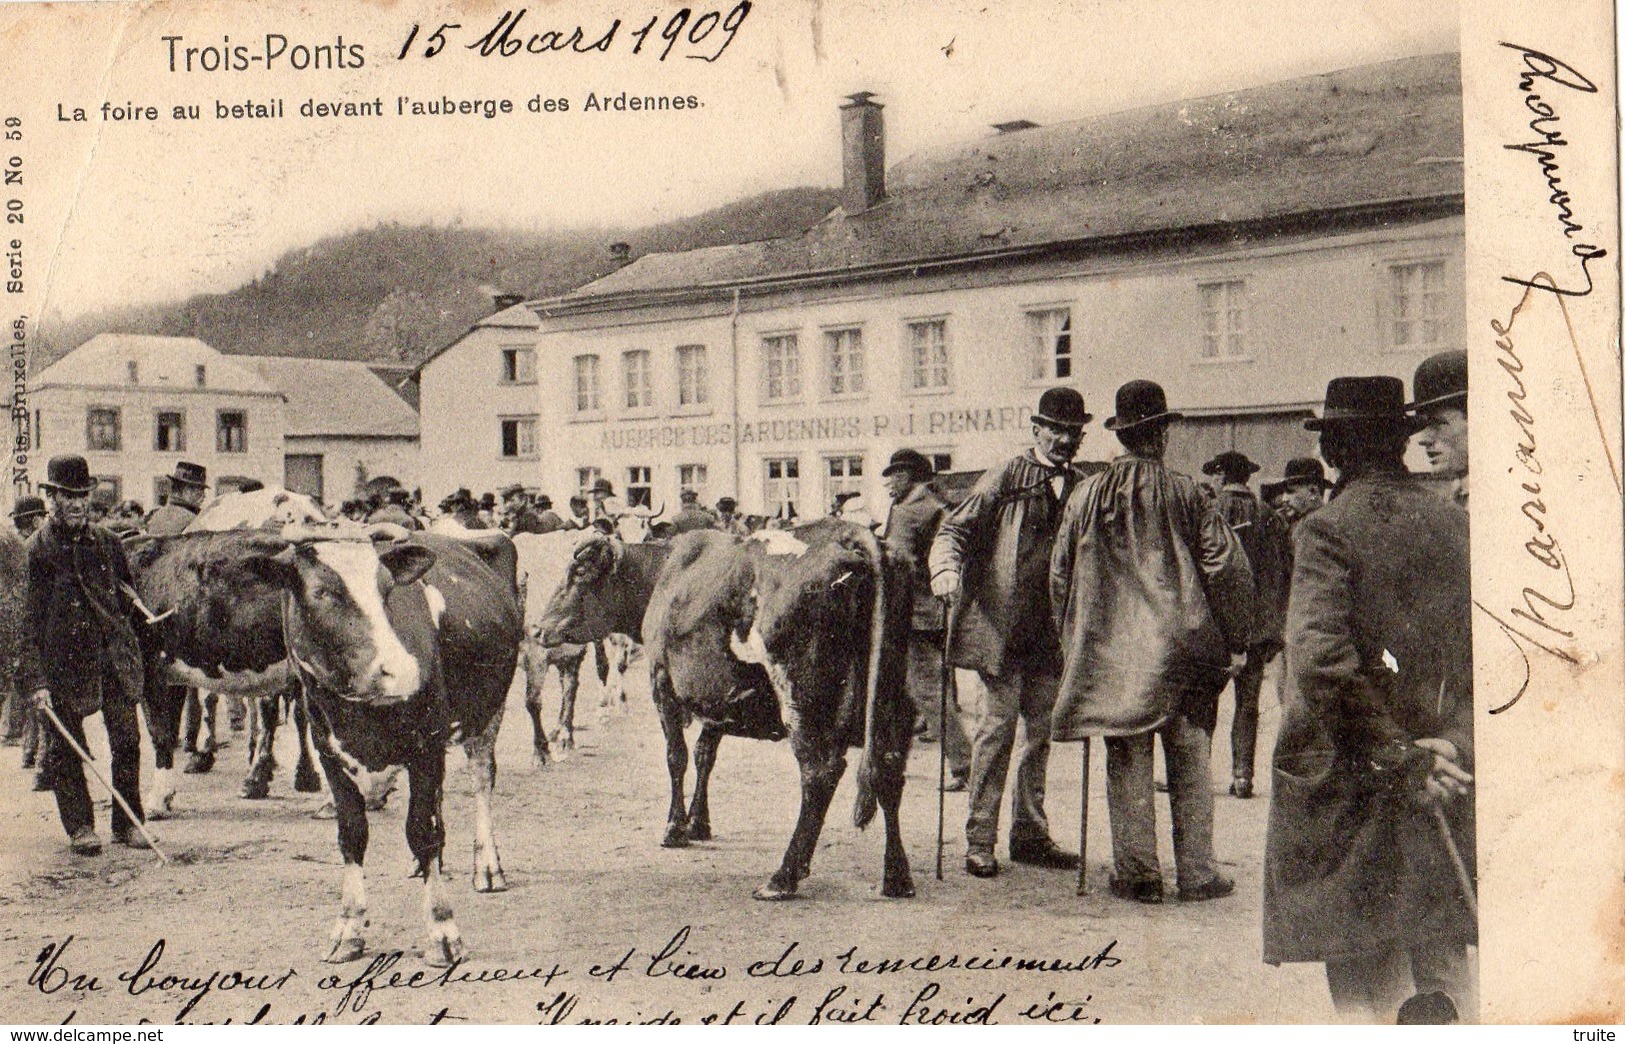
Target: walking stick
{"points": [[942, 730], [1463, 878], [90, 763], [1083, 827]]}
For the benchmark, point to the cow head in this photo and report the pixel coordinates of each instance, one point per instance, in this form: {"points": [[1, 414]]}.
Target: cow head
{"points": [[335, 624], [587, 604]]}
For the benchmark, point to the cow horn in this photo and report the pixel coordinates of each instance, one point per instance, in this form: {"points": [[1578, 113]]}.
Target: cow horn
{"points": [[657, 514], [393, 532]]}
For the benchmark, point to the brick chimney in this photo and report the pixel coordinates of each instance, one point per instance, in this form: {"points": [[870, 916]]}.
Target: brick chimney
{"points": [[620, 254], [503, 302], [863, 154]]}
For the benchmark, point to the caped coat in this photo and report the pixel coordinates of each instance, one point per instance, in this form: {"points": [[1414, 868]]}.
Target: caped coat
{"points": [[79, 629], [999, 540], [1269, 555], [910, 528], [1379, 654], [170, 519], [1152, 594]]}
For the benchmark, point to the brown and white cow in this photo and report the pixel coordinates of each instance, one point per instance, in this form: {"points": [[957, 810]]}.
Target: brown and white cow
{"points": [[400, 648], [800, 633]]}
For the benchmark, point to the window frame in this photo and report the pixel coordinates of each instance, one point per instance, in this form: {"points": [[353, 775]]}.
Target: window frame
{"points": [[220, 443], [700, 378], [647, 486], [1225, 358], [702, 487], [158, 427], [596, 408], [827, 460], [586, 477], [831, 337], [518, 352], [911, 367], [1444, 333], [1051, 370], [519, 420], [117, 415], [647, 406], [771, 507], [793, 338]]}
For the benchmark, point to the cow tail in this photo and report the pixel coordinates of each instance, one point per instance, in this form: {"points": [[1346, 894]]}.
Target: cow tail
{"points": [[864, 807]]}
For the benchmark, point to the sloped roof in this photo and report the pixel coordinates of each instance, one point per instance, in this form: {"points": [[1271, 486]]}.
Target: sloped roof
{"points": [[1375, 135], [161, 362], [517, 317], [337, 398]]}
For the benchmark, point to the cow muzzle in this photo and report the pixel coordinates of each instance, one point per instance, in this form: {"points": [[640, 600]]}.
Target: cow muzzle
{"points": [[390, 679]]}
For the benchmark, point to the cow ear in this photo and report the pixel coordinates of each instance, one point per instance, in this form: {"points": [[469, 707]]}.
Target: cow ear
{"points": [[278, 568], [407, 562]]}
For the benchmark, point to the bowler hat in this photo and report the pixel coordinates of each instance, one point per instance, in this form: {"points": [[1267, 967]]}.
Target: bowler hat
{"points": [[511, 491], [726, 504], [488, 500], [544, 501], [1230, 463], [27, 507], [1304, 471], [1378, 401], [688, 496], [914, 461], [1062, 407], [69, 473], [1141, 402], [1441, 380], [188, 474], [459, 500], [603, 486]]}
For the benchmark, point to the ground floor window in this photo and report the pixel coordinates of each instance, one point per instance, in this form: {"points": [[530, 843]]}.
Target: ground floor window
{"points": [[693, 476], [781, 487], [842, 475], [639, 486], [586, 478]]}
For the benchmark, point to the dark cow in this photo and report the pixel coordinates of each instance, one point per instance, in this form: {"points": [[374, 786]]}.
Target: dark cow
{"points": [[400, 648], [799, 633]]}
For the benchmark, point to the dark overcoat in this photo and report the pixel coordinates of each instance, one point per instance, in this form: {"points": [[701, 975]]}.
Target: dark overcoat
{"points": [[1152, 594], [79, 629], [910, 528], [1379, 655], [999, 539], [1264, 537]]}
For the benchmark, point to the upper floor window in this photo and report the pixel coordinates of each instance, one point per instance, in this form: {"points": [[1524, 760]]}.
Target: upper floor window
{"points": [[1224, 319], [1416, 304], [519, 436], [1049, 332], [102, 429], [169, 433], [231, 432], [693, 379], [843, 361], [518, 366], [639, 393], [586, 384], [928, 354], [781, 368]]}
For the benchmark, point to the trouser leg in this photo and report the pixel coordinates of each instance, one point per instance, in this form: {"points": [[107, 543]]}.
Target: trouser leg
{"points": [[1450, 968], [1027, 819], [124, 743], [66, 774], [1186, 751], [925, 689], [1129, 801], [1369, 989], [1244, 729], [11, 727], [990, 758]]}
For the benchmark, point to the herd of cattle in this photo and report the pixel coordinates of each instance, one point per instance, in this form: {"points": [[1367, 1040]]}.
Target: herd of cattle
{"points": [[389, 645]]}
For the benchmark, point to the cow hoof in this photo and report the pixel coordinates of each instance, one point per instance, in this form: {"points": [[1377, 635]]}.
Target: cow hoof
{"points": [[256, 789], [490, 881], [901, 889], [344, 950], [160, 807], [773, 892], [539, 759], [325, 811], [699, 831], [199, 763], [307, 781], [443, 953], [676, 836]]}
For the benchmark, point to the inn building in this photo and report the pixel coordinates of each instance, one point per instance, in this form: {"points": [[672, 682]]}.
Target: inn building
{"points": [[1241, 249]]}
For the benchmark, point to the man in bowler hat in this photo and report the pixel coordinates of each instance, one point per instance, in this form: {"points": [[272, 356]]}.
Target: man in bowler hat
{"points": [[80, 654], [1440, 388], [1376, 740], [1153, 601], [187, 485], [1264, 537], [911, 525], [991, 556], [1300, 493]]}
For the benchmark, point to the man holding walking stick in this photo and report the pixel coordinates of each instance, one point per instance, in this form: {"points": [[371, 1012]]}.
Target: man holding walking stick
{"points": [[81, 654]]}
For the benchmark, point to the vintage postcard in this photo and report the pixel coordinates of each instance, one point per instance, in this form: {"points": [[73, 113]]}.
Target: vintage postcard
{"points": [[1016, 455]]}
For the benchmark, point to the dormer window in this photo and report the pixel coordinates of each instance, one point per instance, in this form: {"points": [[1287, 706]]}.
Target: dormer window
{"points": [[202, 375], [133, 371]]}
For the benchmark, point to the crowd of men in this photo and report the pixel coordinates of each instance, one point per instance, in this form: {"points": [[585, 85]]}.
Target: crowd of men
{"points": [[1115, 600]]}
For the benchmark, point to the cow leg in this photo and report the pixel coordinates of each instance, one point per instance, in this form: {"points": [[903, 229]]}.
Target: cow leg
{"points": [[426, 836], [306, 780], [199, 732], [482, 771], [262, 722], [533, 661], [569, 688], [897, 883], [705, 757], [820, 774], [671, 723], [345, 940], [163, 704]]}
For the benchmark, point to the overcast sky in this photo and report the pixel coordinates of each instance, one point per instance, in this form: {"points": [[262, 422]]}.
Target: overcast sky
{"points": [[160, 211]]}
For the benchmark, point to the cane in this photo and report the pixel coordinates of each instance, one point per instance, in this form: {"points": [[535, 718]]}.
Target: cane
{"points": [[1463, 878], [1083, 826], [90, 763], [942, 730]]}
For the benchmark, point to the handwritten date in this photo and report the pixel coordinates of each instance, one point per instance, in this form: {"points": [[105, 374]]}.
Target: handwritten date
{"points": [[686, 32]]}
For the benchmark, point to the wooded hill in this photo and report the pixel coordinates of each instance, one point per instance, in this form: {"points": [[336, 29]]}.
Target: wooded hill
{"points": [[395, 293]]}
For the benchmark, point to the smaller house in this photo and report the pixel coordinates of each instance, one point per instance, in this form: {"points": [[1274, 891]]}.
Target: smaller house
{"points": [[344, 426]]}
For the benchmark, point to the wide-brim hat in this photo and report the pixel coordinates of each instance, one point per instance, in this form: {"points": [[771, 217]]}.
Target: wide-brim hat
{"points": [[1304, 471], [726, 504], [188, 474], [510, 491], [1141, 402], [27, 507], [912, 461], [603, 486], [544, 501], [1062, 407], [1229, 463], [1270, 490], [1364, 401], [1441, 380], [69, 473]]}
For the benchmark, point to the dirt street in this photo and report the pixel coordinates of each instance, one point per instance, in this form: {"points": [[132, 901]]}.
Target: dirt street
{"points": [[601, 923]]}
